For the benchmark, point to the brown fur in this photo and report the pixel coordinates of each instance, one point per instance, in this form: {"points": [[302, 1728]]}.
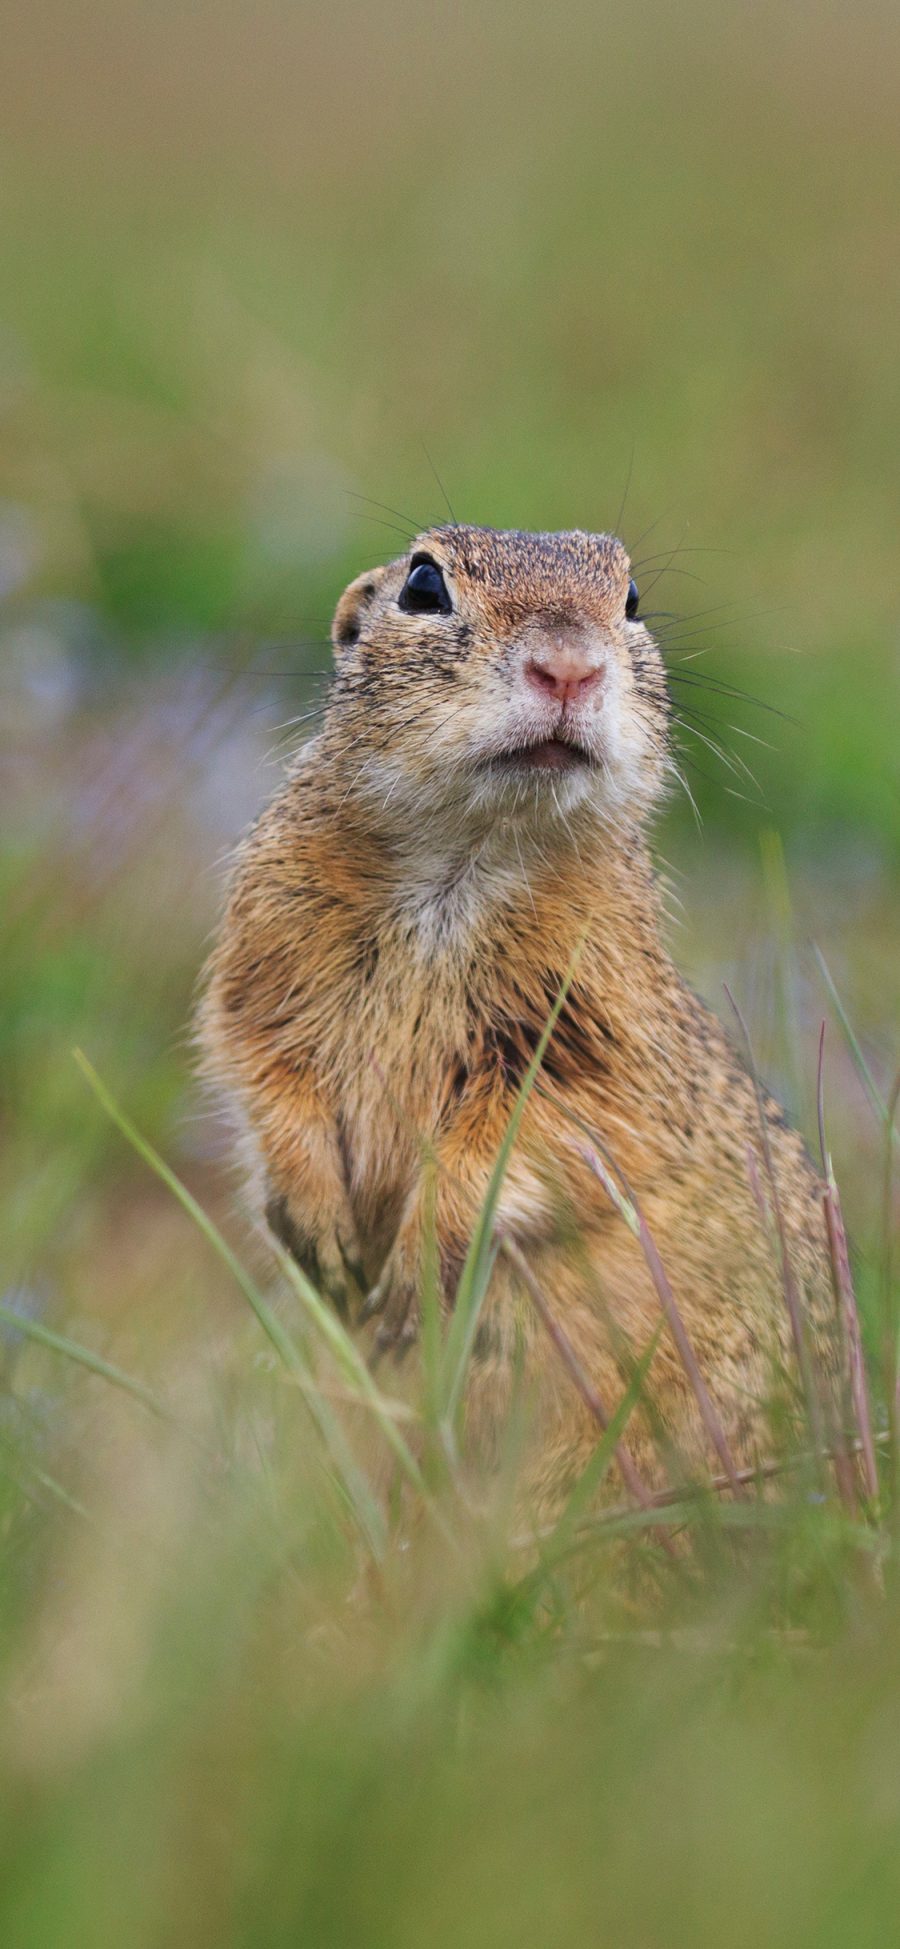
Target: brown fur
{"points": [[400, 922]]}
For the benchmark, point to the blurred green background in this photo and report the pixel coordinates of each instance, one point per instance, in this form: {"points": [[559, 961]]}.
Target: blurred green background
{"points": [[256, 258], [267, 266], [267, 271]]}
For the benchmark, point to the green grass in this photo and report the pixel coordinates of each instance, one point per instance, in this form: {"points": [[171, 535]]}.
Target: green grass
{"points": [[255, 261], [252, 1698]]}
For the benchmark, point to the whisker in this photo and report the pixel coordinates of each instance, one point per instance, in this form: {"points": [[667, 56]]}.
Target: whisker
{"points": [[692, 680], [648, 531], [715, 608], [292, 676], [621, 514], [290, 723], [378, 521], [684, 548], [686, 573], [703, 717], [415, 527], [667, 568], [739, 730], [680, 635], [742, 796], [733, 763], [678, 774], [440, 483], [264, 676]]}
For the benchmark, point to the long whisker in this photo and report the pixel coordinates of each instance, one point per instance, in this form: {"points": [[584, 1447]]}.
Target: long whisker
{"points": [[291, 723], [621, 514], [648, 531], [703, 717], [715, 608], [687, 573], [440, 483], [680, 636], [677, 773], [679, 620], [378, 521], [692, 680], [733, 763], [684, 548], [415, 527], [683, 637], [667, 568], [250, 675], [281, 676]]}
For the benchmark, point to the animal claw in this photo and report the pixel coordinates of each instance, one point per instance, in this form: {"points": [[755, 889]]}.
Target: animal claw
{"points": [[395, 1298], [404, 1339], [373, 1303]]}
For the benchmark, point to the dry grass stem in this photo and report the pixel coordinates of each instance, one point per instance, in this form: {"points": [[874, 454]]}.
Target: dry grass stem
{"points": [[630, 1474]]}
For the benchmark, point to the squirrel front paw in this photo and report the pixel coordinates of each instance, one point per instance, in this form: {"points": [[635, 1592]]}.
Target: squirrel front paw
{"points": [[395, 1297], [329, 1254]]}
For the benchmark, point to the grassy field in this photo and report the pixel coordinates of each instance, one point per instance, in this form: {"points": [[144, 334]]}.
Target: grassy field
{"points": [[268, 272]]}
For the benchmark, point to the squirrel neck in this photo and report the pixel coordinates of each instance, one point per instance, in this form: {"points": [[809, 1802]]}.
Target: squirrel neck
{"points": [[458, 888]]}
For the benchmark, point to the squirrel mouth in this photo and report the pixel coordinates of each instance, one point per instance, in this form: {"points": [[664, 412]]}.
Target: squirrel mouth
{"points": [[548, 754]]}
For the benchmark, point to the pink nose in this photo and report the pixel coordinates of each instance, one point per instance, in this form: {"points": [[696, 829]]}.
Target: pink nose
{"points": [[565, 672]]}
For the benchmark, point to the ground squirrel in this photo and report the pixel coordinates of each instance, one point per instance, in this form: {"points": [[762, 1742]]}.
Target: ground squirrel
{"points": [[401, 918]]}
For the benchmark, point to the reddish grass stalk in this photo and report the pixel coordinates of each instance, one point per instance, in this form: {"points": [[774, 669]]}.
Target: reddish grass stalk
{"points": [[842, 1468], [689, 1492], [631, 1476], [788, 1282], [845, 1297], [634, 1218], [889, 1312], [759, 1196], [759, 1472]]}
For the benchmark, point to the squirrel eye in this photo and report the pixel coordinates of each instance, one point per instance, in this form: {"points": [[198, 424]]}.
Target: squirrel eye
{"points": [[425, 592], [631, 601]]}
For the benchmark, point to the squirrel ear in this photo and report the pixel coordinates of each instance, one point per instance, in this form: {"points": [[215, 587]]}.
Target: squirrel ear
{"points": [[349, 614]]}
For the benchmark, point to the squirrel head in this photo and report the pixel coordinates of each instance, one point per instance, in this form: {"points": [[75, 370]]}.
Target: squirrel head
{"points": [[499, 676]]}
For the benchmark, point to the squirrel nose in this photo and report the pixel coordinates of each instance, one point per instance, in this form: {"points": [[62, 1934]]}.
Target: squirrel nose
{"points": [[564, 671]]}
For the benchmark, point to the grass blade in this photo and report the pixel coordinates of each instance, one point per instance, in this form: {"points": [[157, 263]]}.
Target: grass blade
{"points": [[629, 1209], [889, 1297], [352, 1365], [630, 1474], [845, 1297], [268, 1320], [44, 1336], [476, 1272], [808, 1375], [852, 1040], [627, 1205], [355, 1489], [606, 1450]]}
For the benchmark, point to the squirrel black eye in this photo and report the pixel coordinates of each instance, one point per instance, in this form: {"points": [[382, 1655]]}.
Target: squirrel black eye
{"points": [[631, 601], [424, 592]]}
